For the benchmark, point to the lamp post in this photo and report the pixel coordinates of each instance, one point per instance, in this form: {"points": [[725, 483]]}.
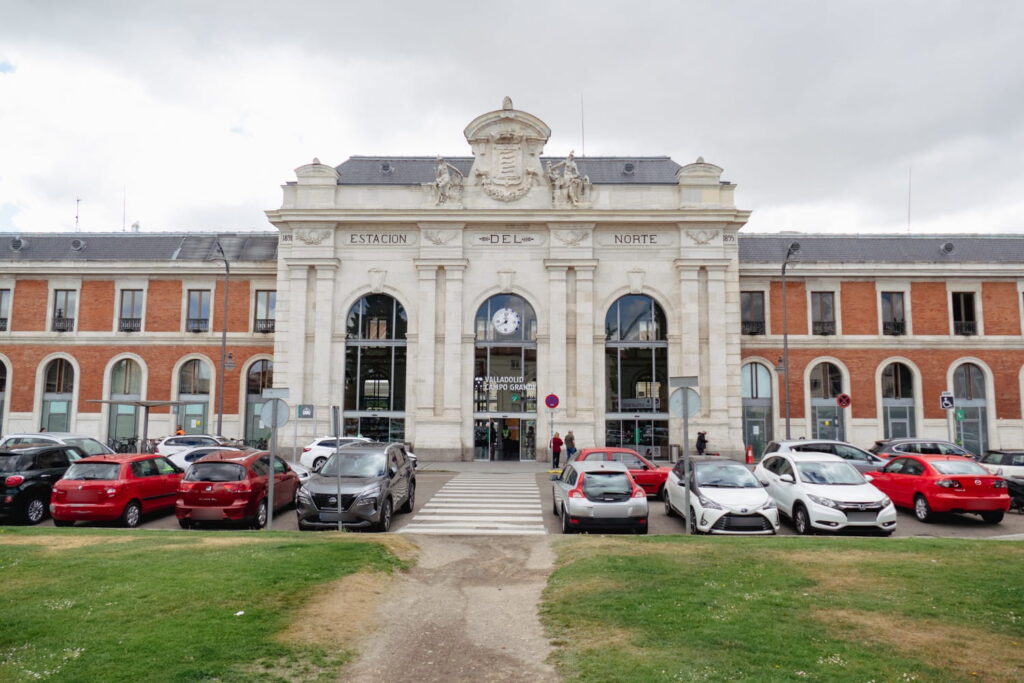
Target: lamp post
{"points": [[223, 340], [794, 248]]}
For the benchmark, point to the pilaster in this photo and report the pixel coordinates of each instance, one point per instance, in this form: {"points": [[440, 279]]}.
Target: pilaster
{"points": [[556, 375], [323, 331], [298, 276], [584, 394], [426, 340], [454, 387], [689, 317]]}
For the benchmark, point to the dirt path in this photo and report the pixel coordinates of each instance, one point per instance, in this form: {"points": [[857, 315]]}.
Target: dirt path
{"points": [[466, 612]]}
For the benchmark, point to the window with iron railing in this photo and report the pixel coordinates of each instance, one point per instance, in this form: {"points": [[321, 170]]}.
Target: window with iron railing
{"points": [[64, 306], [198, 318], [264, 325], [266, 308], [130, 319], [823, 317], [752, 312], [129, 324], [5, 308], [964, 321], [197, 325], [893, 317]]}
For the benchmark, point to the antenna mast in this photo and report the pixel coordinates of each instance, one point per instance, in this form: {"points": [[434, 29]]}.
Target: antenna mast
{"points": [[78, 202], [583, 130]]}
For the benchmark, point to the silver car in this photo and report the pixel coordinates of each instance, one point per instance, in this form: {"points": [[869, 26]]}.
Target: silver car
{"points": [[858, 457], [376, 479], [598, 494]]}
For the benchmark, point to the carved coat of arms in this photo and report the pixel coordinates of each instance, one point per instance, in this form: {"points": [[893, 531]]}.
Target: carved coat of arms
{"points": [[506, 178]]}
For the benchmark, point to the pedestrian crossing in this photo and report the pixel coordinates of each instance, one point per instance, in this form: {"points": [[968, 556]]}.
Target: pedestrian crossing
{"points": [[482, 504]]}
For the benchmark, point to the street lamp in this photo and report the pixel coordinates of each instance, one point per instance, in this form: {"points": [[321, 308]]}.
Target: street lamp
{"points": [[794, 248], [224, 339]]}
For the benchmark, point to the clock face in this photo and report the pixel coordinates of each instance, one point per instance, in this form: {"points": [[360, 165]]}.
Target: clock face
{"points": [[506, 321]]}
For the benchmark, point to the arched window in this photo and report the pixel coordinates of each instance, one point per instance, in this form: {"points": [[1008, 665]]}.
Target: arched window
{"points": [[972, 405], [259, 377], [194, 387], [125, 385], [756, 390], [505, 380], [636, 372], [58, 395], [826, 383], [898, 401], [375, 368]]}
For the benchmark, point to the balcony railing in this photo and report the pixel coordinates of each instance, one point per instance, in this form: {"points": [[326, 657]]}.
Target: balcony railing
{"points": [[264, 325], [129, 324], [3, 324], [967, 328], [824, 327], [753, 327], [895, 328], [197, 325], [62, 324]]}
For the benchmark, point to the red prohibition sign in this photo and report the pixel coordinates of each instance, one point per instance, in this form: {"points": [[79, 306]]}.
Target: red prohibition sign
{"points": [[551, 401], [844, 400]]}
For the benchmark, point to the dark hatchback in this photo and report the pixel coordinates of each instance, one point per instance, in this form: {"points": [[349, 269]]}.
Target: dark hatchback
{"points": [[26, 479]]}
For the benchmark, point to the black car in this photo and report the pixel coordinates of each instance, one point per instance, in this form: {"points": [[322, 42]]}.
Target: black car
{"points": [[26, 477]]}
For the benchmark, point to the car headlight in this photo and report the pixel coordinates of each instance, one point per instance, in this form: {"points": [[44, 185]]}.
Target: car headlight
{"points": [[303, 495], [368, 497], [770, 505], [708, 503], [885, 502], [826, 502]]}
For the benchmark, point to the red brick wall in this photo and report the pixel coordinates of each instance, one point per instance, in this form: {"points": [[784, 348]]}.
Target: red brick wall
{"points": [[860, 311], [28, 306], [929, 308], [163, 306], [1000, 307], [796, 302], [96, 306], [238, 305]]}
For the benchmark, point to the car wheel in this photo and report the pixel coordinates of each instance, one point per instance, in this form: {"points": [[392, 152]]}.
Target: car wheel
{"points": [[802, 521], [694, 531], [318, 463], [259, 520], [185, 523], [385, 516], [63, 522], [566, 527], [669, 510], [663, 492], [992, 516], [410, 501], [131, 515], [922, 510], [34, 511]]}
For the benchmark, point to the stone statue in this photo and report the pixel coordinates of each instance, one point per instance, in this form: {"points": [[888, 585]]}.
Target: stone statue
{"points": [[448, 182], [570, 186]]}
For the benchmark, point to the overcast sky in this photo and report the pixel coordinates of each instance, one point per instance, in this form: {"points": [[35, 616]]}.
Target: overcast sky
{"points": [[199, 111]]}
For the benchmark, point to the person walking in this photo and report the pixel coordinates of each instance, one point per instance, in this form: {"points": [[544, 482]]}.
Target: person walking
{"points": [[556, 450], [702, 442], [570, 445]]}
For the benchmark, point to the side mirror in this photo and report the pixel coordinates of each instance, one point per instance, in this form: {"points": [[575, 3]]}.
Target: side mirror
{"points": [[555, 477], [392, 472], [645, 468], [788, 478]]}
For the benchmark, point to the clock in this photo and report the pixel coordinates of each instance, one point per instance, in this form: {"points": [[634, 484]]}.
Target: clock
{"points": [[505, 320]]}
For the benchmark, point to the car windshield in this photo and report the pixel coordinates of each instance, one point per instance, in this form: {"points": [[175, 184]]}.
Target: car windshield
{"points": [[355, 465], [599, 483], [726, 477], [89, 446], [958, 467], [93, 470], [14, 463], [215, 471], [829, 473]]}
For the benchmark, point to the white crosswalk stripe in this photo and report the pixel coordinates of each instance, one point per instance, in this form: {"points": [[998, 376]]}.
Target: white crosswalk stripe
{"points": [[503, 504]]}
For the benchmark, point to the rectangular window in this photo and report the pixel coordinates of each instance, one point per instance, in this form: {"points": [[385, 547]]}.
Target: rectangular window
{"points": [[823, 316], [964, 320], [893, 321], [198, 317], [130, 319], [5, 308], [64, 306], [752, 307], [266, 310]]}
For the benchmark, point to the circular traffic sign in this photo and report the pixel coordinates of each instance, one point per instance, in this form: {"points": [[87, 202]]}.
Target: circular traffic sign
{"points": [[267, 413], [551, 401], [675, 402], [844, 400]]}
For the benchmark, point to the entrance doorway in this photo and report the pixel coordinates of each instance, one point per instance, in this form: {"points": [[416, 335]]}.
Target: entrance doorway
{"points": [[504, 438]]}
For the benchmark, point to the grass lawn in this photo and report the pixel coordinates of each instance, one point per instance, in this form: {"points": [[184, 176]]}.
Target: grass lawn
{"points": [[116, 605], [786, 609]]}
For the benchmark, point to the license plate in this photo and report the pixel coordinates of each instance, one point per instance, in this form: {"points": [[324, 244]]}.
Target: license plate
{"points": [[862, 516]]}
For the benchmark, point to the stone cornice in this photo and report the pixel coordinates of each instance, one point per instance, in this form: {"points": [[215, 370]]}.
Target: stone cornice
{"points": [[425, 217]]}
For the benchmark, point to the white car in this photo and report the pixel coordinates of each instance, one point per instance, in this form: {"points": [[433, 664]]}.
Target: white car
{"points": [[89, 445], [1006, 464], [316, 453], [725, 498], [823, 491], [173, 444], [858, 457], [186, 457]]}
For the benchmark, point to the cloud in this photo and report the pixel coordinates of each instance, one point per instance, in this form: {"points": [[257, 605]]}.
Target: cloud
{"points": [[6, 67]]}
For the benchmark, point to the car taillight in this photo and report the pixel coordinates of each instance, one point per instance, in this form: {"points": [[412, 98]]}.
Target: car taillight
{"points": [[14, 480], [111, 491], [638, 492], [58, 493], [1000, 484], [238, 487], [949, 483], [576, 493], [306, 449]]}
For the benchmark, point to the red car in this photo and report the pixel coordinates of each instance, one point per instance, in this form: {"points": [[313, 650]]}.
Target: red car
{"points": [[106, 488], [942, 483], [650, 477], [232, 486]]}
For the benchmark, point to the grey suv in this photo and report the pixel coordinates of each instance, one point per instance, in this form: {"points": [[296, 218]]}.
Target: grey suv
{"points": [[376, 479]]}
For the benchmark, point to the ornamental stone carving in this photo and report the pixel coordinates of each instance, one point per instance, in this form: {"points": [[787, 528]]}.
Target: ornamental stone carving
{"points": [[312, 237], [439, 237], [448, 182], [506, 145], [702, 237], [377, 276], [570, 187], [571, 238]]}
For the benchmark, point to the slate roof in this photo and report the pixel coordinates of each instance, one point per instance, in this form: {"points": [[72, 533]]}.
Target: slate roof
{"points": [[882, 248], [416, 170], [136, 246]]}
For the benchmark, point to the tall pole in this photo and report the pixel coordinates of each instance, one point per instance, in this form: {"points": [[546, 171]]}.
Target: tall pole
{"points": [[794, 247], [223, 341]]}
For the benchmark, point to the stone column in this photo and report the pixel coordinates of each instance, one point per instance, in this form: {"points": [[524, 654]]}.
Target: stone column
{"points": [[584, 343], [323, 332], [717, 360], [556, 379], [425, 339], [454, 387], [689, 318], [294, 346]]}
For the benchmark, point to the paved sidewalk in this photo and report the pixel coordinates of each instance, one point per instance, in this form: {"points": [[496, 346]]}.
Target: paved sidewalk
{"points": [[485, 466]]}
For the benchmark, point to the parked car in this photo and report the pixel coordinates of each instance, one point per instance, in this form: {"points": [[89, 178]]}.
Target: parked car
{"points": [[858, 457], [28, 475], [598, 494], [316, 453], [1008, 464], [186, 457], [930, 484], [301, 471], [87, 444], [823, 491], [650, 477], [173, 444], [232, 486], [106, 488], [375, 480], [892, 448], [725, 498]]}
